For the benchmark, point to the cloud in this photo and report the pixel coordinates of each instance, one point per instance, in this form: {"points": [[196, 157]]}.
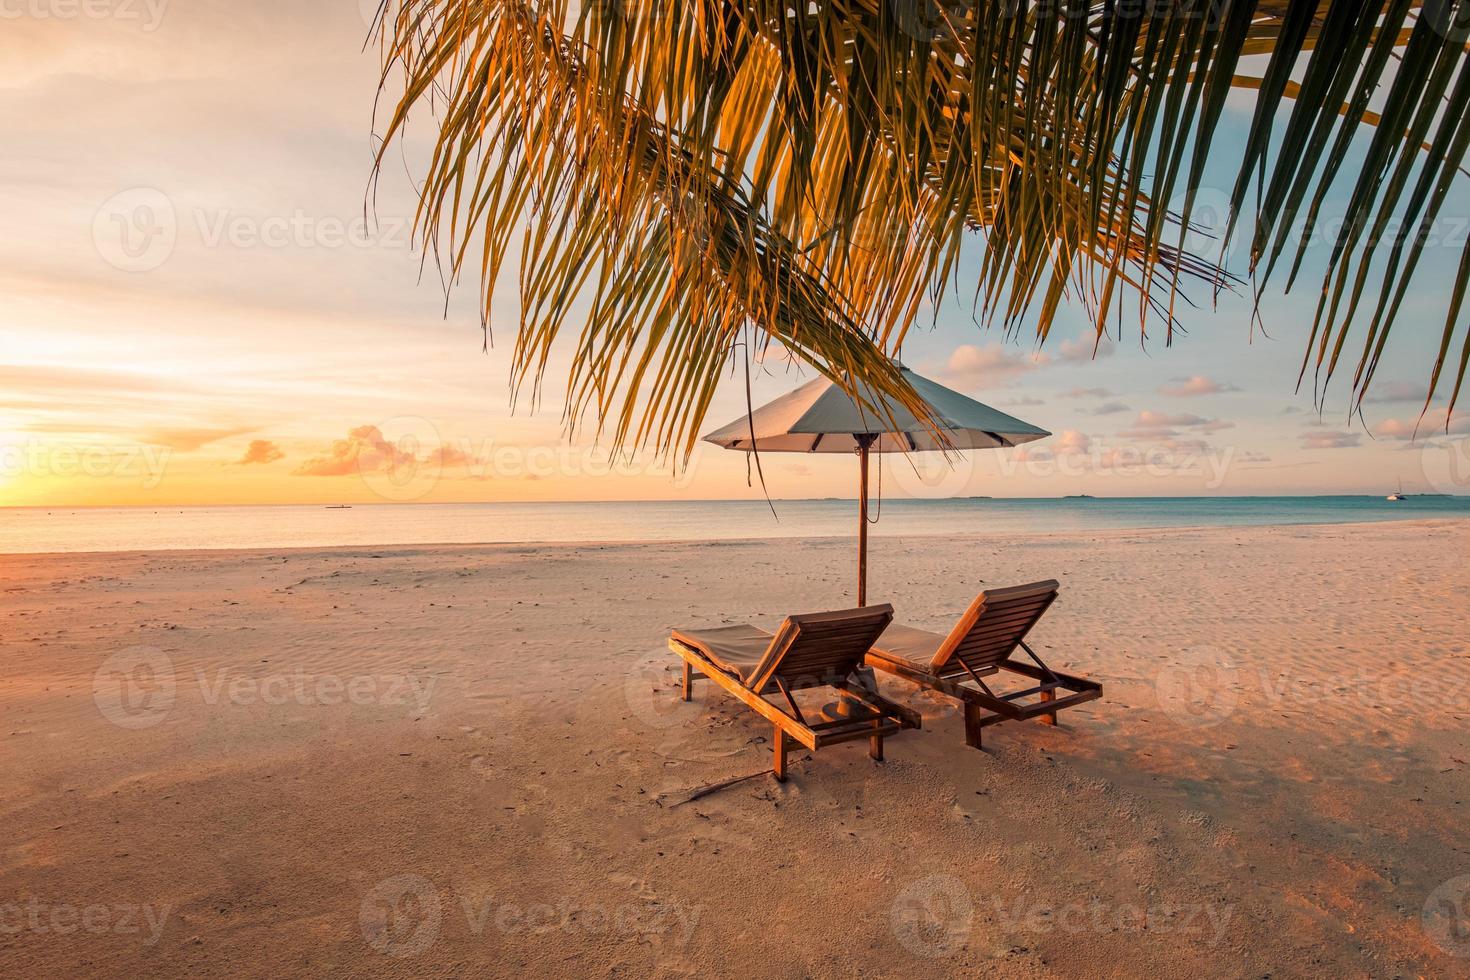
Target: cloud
{"points": [[1110, 408], [1068, 442], [1387, 392], [1328, 439], [1071, 441], [1433, 424], [993, 364], [1160, 420], [188, 440], [1185, 420], [451, 457], [1195, 386], [363, 451], [1081, 350], [1186, 446], [1087, 393], [1162, 428], [1022, 402], [261, 451], [774, 352], [1032, 453]]}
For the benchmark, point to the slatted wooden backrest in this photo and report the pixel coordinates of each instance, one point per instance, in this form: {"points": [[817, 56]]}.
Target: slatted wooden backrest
{"points": [[815, 648], [996, 622]]}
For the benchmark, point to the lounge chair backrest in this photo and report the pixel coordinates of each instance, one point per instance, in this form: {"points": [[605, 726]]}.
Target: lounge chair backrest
{"points": [[814, 648], [996, 622]]}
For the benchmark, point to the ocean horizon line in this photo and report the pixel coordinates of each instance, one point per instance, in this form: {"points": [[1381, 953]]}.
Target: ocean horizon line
{"points": [[351, 503]]}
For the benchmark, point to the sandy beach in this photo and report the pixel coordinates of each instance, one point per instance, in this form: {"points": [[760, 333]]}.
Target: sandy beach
{"points": [[472, 760]]}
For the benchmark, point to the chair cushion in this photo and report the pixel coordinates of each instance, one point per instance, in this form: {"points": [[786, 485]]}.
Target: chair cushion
{"points": [[910, 647], [735, 649]]}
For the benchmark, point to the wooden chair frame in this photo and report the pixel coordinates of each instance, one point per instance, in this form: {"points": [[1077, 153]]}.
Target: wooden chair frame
{"points": [[982, 706], [873, 717]]}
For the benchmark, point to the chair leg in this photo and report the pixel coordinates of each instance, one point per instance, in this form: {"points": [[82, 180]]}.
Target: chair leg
{"points": [[780, 765], [973, 714], [875, 743], [1050, 718], [688, 681]]}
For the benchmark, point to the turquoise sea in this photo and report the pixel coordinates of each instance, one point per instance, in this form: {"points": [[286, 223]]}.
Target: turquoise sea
{"points": [[30, 530]]}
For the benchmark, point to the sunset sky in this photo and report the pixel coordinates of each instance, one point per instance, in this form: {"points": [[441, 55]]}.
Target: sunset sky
{"points": [[194, 313]]}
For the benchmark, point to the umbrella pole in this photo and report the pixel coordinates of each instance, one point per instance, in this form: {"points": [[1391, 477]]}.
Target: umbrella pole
{"points": [[843, 708], [864, 442]]}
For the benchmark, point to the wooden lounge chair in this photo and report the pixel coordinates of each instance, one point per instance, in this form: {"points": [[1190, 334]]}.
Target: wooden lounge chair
{"points": [[981, 645], [814, 650]]}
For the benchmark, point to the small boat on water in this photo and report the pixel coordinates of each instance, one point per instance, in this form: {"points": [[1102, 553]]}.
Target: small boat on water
{"points": [[339, 506], [1398, 494]]}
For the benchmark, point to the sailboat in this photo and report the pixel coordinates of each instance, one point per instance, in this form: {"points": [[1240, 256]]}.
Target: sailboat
{"points": [[1398, 494]]}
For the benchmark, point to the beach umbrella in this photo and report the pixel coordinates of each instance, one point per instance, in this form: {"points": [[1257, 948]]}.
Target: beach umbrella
{"points": [[819, 417]]}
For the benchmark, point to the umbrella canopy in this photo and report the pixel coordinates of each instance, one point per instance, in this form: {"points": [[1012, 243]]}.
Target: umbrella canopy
{"points": [[819, 417]]}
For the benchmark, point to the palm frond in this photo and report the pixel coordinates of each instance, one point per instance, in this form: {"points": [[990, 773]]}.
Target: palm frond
{"points": [[699, 169]]}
